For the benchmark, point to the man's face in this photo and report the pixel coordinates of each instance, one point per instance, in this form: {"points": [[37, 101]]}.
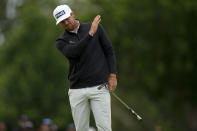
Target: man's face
{"points": [[69, 23]]}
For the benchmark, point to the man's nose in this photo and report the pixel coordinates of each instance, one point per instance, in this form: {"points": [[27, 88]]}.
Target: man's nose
{"points": [[65, 22]]}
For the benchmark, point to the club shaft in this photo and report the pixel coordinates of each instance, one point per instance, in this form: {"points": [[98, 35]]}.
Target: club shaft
{"points": [[121, 101], [129, 108]]}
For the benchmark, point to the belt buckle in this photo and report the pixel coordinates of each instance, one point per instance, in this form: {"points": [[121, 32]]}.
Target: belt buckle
{"points": [[102, 85]]}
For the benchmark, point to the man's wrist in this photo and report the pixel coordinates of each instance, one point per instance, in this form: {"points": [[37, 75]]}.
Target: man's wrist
{"points": [[91, 33], [112, 75]]}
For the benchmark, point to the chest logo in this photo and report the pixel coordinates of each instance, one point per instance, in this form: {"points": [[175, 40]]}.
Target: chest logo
{"points": [[71, 42]]}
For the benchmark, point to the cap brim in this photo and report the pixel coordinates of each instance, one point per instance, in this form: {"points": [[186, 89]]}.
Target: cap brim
{"points": [[62, 18]]}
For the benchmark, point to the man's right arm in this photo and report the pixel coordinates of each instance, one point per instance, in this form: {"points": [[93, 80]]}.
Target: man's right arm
{"points": [[75, 50], [70, 49]]}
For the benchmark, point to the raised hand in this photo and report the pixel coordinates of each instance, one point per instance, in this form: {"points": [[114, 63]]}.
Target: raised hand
{"points": [[94, 25]]}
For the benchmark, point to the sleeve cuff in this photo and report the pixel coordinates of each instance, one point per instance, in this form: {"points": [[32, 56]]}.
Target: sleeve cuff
{"points": [[91, 35]]}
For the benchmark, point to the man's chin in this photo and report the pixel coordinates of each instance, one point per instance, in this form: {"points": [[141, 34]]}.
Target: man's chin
{"points": [[69, 29]]}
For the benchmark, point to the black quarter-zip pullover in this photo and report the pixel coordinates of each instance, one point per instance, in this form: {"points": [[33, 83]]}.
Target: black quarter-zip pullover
{"points": [[91, 58]]}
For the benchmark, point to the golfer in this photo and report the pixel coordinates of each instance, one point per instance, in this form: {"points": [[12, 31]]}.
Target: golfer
{"points": [[92, 71]]}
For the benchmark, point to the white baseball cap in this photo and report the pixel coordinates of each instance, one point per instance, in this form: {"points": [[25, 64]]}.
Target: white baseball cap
{"points": [[61, 12]]}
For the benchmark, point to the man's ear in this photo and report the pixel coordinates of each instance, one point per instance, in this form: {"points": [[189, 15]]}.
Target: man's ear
{"points": [[73, 13]]}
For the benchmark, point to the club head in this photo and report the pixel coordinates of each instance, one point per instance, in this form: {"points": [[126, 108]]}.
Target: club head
{"points": [[139, 118], [135, 114]]}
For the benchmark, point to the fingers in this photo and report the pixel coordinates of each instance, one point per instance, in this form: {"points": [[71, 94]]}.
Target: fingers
{"points": [[97, 19], [112, 84], [94, 25], [112, 88]]}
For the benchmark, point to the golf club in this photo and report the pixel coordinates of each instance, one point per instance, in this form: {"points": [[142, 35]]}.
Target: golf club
{"points": [[122, 102], [129, 108]]}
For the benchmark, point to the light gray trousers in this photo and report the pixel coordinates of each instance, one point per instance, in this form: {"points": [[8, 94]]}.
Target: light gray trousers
{"points": [[86, 99]]}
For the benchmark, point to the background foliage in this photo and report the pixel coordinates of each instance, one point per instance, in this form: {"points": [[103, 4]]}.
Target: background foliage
{"points": [[155, 46]]}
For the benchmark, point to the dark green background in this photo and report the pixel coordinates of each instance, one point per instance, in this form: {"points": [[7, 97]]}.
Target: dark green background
{"points": [[156, 51]]}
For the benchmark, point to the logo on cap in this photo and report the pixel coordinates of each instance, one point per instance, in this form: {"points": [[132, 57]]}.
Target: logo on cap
{"points": [[58, 15]]}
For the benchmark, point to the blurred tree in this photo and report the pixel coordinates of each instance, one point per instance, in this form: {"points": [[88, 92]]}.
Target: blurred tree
{"points": [[155, 45], [2, 13], [32, 71], [2, 19]]}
